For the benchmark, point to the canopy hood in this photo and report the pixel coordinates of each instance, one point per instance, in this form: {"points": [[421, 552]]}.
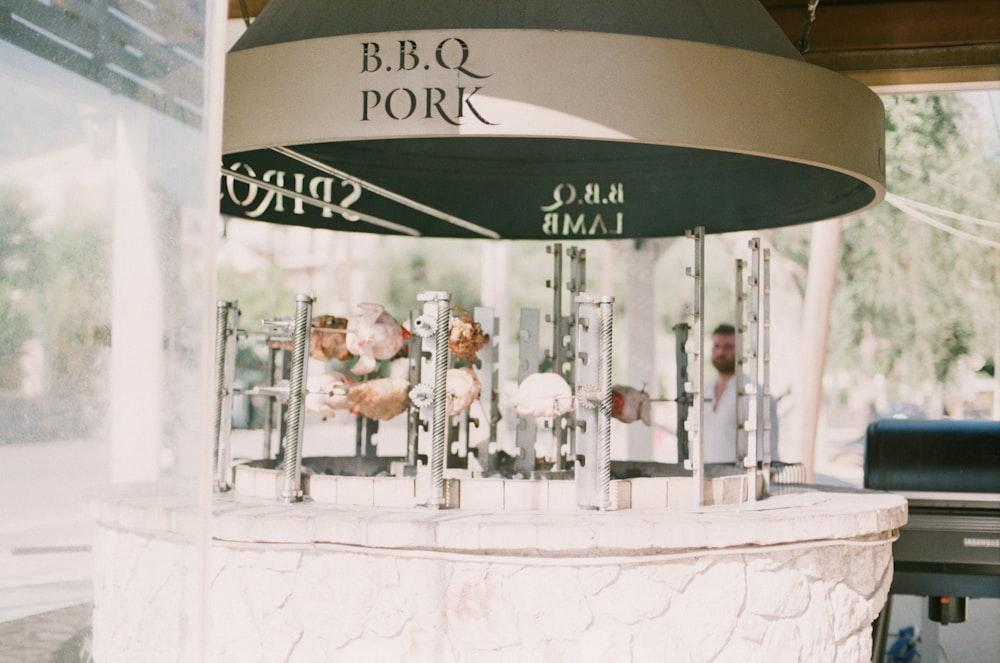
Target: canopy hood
{"points": [[540, 119]]}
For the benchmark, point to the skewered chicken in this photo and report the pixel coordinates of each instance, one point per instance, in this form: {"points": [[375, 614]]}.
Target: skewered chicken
{"points": [[465, 336], [628, 404], [545, 395], [327, 392], [327, 339], [462, 387], [372, 335], [383, 398]]}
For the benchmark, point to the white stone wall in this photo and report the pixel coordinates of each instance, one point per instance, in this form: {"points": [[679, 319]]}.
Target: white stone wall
{"points": [[146, 597], [303, 605], [786, 581]]}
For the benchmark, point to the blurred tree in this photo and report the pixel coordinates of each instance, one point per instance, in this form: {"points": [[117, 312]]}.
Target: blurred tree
{"points": [[912, 299], [20, 259], [74, 318]]}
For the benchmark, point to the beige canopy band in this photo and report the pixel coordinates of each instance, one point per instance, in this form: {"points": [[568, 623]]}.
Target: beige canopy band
{"points": [[525, 121]]}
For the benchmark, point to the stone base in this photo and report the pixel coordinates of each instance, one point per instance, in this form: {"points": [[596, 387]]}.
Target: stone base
{"points": [[665, 487], [796, 577]]}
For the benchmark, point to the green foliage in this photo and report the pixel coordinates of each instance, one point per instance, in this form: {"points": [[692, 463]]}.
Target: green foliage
{"points": [[20, 256], [912, 299], [75, 302], [259, 295], [416, 266]]}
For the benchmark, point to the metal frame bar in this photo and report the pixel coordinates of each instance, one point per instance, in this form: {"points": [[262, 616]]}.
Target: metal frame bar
{"points": [[697, 412]]}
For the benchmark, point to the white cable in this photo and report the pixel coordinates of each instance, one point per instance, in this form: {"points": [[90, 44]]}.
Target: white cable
{"points": [[391, 195], [947, 213], [898, 203]]}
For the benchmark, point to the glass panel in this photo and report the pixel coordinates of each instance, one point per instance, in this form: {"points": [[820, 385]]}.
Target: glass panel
{"points": [[108, 218]]}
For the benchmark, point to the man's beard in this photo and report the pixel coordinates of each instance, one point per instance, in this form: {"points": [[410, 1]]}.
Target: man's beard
{"points": [[726, 367]]}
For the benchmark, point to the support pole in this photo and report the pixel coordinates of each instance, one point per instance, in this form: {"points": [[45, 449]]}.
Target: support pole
{"points": [[765, 356], [824, 251], [754, 418], [592, 469], [226, 320], [433, 328], [291, 485], [696, 420]]}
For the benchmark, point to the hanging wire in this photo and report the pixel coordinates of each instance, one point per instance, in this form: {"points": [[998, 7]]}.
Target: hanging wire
{"points": [[906, 207], [245, 12], [807, 26], [953, 215]]}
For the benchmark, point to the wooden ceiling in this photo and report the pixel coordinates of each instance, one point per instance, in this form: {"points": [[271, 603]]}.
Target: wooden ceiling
{"points": [[882, 43]]}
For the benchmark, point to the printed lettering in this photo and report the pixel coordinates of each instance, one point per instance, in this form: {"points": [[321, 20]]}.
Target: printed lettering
{"points": [[350, 199], [365, 105], [369, 56], [436, 104], [573, 228], [616, 194], [563, 194], [468, 102], [319, 188], [550, 223], [231, 185], [598, 224], [460, 66], [408, 55], [412, 98]]}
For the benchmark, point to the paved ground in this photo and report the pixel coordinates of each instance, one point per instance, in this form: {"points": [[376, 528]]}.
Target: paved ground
{"points": [[57, 636]]}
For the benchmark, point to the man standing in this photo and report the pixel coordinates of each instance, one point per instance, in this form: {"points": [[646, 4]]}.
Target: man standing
{"points": [[720, 426]]}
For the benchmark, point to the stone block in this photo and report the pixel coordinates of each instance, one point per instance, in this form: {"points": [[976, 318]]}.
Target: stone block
{"points": [[562, 495], [356, 491], [680, 493], [485, 494], [648, 493], [525, 494], [394, 491], [323, 489]]}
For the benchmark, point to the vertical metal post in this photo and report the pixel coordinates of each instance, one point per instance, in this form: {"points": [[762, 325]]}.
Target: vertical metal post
{"points": [[437, 315], [558, 328], [577, 284], [555, 318], [696, 420], [487, 372], [765, 354], [739, 375], [593, 392], [526, 433], [272, 355], [413, 420], [754, 396], [291, 485], [683, 397], [226, 320], [604, 411]]}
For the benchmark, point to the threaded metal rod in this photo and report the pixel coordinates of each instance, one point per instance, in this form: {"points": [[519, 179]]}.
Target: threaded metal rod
{"points": [[291, 486], [221, 339], [604, 339], [439, 419]]}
